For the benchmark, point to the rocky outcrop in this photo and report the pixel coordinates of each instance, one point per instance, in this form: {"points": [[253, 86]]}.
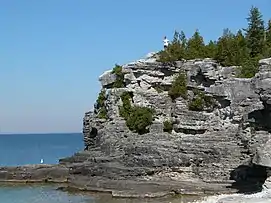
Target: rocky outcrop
{"points": [[204, 146], [35, 173], [224, 143]]}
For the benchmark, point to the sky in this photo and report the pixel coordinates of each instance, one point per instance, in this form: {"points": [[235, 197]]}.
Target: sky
{"points": [[52, 52]]}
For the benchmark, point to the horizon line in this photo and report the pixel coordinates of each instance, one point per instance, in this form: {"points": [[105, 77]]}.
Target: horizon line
{"points": [[38, 133]]}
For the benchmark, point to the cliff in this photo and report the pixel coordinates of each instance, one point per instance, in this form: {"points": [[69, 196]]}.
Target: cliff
{"points": [[212, 140], [180, 128]]}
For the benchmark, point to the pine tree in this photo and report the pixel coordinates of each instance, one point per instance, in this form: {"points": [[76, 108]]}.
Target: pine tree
{"points": [[225, 53], [241, 50], [255, 32], [195, 46], [211, 49], [249, 67], [179, 42], [268, 33], [267, 47], [183, 42]]}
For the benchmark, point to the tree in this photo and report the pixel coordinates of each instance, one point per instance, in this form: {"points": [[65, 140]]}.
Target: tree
{"points": [[241, 50], [119, 82], [267, 47], [211, 49], [195, 46], [179, 87], [268, 33], [232, 49], [249, 67], [255, 32], [225, 45]]}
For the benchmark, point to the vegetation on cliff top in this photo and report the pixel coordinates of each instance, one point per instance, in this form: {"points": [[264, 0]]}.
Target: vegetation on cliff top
{"points": [[137, 118], [243, 49]]}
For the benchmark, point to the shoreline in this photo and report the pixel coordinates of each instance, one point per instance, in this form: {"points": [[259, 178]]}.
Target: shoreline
{"points": [[106, 196], [126, 188]]}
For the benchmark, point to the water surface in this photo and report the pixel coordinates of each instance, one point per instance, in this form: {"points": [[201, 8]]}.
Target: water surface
{"points": [[31, 148]]}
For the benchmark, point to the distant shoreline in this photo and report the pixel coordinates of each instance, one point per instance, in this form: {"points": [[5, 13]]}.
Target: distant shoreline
{"points": [[70, 133]]}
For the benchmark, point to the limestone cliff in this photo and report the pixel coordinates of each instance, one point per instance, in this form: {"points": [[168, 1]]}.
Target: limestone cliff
{"points": [[206, 145], [158, 129]]}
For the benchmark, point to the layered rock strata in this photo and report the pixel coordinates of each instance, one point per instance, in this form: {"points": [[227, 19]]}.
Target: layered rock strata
{"points": [[224, 144]]}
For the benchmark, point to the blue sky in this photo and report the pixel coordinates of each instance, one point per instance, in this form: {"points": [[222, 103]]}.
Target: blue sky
{"points": [[53, 51]]}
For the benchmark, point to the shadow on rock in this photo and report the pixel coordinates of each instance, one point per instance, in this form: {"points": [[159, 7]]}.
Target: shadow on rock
{"points": [[248, 178]]}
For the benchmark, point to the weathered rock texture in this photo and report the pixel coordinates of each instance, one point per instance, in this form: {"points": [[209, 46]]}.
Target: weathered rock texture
{"points": [[205, 146], [206, 150]]}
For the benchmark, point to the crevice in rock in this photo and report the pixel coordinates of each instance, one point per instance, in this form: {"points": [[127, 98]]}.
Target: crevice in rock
{"points": [[108, 86], [138, 82], [223, 102], [131, 94], [261, 119], [167, 72], [138, 74], [90, 138], [248, 178], [201, 79], [190, 131], [93, 133]]}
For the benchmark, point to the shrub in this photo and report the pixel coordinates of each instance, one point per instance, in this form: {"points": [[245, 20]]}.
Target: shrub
{"points": [[119, 83], [100, 102], [102, 114], [197, 104], [101, 98], [125, 109], [179, 87], [168, 126], [200, 101], [137, 118]]}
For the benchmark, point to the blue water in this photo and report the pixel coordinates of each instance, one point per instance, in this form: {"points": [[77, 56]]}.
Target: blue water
{"points": [[39, 194], [31, 148]]}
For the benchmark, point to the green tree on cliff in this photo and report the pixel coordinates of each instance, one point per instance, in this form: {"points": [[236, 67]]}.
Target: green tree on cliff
{"points": [[211, 49], [268, 33], [225, 48], [267, 47], [232, 49], [195, 46], [241, 52], [255, 32]]}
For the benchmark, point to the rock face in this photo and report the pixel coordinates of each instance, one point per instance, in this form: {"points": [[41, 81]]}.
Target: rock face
{"points": [[225, 142], [205, 145]]}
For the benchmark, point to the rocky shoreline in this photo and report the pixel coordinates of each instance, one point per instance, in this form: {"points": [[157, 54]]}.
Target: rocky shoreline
{"points": [[220, 146], [61, 174], [126, 188]]}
